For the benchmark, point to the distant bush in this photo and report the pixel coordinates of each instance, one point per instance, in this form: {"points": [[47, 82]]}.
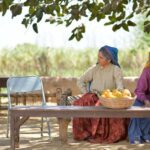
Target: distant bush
{"points": [[30, 59]]}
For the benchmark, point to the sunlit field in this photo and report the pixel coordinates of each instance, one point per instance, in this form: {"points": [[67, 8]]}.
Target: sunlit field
{"points": [[30, 59]]}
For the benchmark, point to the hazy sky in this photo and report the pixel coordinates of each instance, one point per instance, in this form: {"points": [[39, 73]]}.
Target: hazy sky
{"points": [[12, 32]]}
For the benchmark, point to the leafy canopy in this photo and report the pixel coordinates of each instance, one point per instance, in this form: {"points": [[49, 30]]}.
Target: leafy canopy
{"points": [[117, 13]]}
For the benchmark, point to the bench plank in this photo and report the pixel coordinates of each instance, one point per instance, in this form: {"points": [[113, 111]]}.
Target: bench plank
{"points": [[63, 112], [80, 111]]}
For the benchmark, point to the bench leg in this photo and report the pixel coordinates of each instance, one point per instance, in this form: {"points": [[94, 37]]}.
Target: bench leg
{"points": [[17, 139], [16, 130], [63, 127], [14, 134]]}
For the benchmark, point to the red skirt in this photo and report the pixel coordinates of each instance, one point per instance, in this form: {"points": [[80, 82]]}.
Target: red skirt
{"points": [[98, 130]]}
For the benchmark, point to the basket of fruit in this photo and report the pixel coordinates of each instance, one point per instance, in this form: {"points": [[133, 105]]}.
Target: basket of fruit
{"points": [[116, 98]]}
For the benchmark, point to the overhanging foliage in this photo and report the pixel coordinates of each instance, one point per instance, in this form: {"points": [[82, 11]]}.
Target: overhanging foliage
{"points": [[115, 12]]}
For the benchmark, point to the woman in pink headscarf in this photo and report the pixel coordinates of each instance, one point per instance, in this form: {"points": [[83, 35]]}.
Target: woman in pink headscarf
{"points": [[106, 74]]}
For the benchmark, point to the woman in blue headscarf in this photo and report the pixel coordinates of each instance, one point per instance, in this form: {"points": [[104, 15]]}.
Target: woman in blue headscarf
{"points": [[106, 74]]}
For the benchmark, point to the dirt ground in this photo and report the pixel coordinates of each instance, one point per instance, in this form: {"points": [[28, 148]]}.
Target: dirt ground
{"points": [[30, 138]]}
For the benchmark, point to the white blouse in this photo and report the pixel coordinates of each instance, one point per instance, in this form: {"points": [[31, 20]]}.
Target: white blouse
{"points": [[109, 77]]}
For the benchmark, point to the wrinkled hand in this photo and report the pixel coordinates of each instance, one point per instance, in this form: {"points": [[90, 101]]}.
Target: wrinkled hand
{"points": [[147, 103], [95, 91]]}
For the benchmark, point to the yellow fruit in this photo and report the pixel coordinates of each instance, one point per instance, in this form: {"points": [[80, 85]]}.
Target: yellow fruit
{"points": [[114, 92], [107, 94], [125, 96], [111, 95], [117, 93], [103, 95], [105, 91], [126, 92]]}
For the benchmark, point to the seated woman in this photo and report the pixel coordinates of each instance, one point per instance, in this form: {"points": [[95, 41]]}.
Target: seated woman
{"points": [[139, 128], [106, 74]]}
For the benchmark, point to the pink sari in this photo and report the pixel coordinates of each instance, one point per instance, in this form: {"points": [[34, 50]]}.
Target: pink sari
{"points": [[98, 130]]}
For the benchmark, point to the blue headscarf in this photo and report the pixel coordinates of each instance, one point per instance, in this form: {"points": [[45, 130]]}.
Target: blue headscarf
{"points": [[112, 53]]}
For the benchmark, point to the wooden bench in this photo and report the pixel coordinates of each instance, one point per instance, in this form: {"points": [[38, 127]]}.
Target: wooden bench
{"points": [[19, 115], [59, 89], [3, 86], [68, 94]]}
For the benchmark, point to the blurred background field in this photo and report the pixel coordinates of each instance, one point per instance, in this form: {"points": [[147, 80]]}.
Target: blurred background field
{"points": [[29, 59]]}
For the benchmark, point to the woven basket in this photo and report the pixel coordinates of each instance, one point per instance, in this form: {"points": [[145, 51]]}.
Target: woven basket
{"points": [[117, 102]]}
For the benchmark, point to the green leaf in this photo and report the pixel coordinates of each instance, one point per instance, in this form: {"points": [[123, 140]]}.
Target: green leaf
{"points": [[134, 5], [52, 20], [122, 15], [27, 3], [125, 1], [139, 11], [120, 8], [125, 26], [27, 15], [5, 6], [141, 3], [112, 18], [32, 10], [68, 22], [148, 2], [130, 23], [77, 32], [83, 11], [57, 8], [100, 16], [106, 1], [130, 16], [1, 7], [107, 9], [82, 28], [116, 27], [92, 17], [39, 14], [64, 9], [35, 27], [146, 22], [78, 36], [148, 14], [108, 23], [59, 21], [71, 37], [147, 28], [74, 11], [49, 10], [31, 3], [16, 9], [25, 22]]}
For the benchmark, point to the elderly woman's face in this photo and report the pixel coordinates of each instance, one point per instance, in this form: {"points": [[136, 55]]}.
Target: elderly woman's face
{"points": [[102, 60]]}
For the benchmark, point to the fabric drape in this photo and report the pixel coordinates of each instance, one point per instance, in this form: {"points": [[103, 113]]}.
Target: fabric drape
{"points": [[98, 130]]}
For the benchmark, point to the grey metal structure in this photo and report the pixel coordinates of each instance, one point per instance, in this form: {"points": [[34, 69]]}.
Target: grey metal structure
{"points": [[25, 85]]}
